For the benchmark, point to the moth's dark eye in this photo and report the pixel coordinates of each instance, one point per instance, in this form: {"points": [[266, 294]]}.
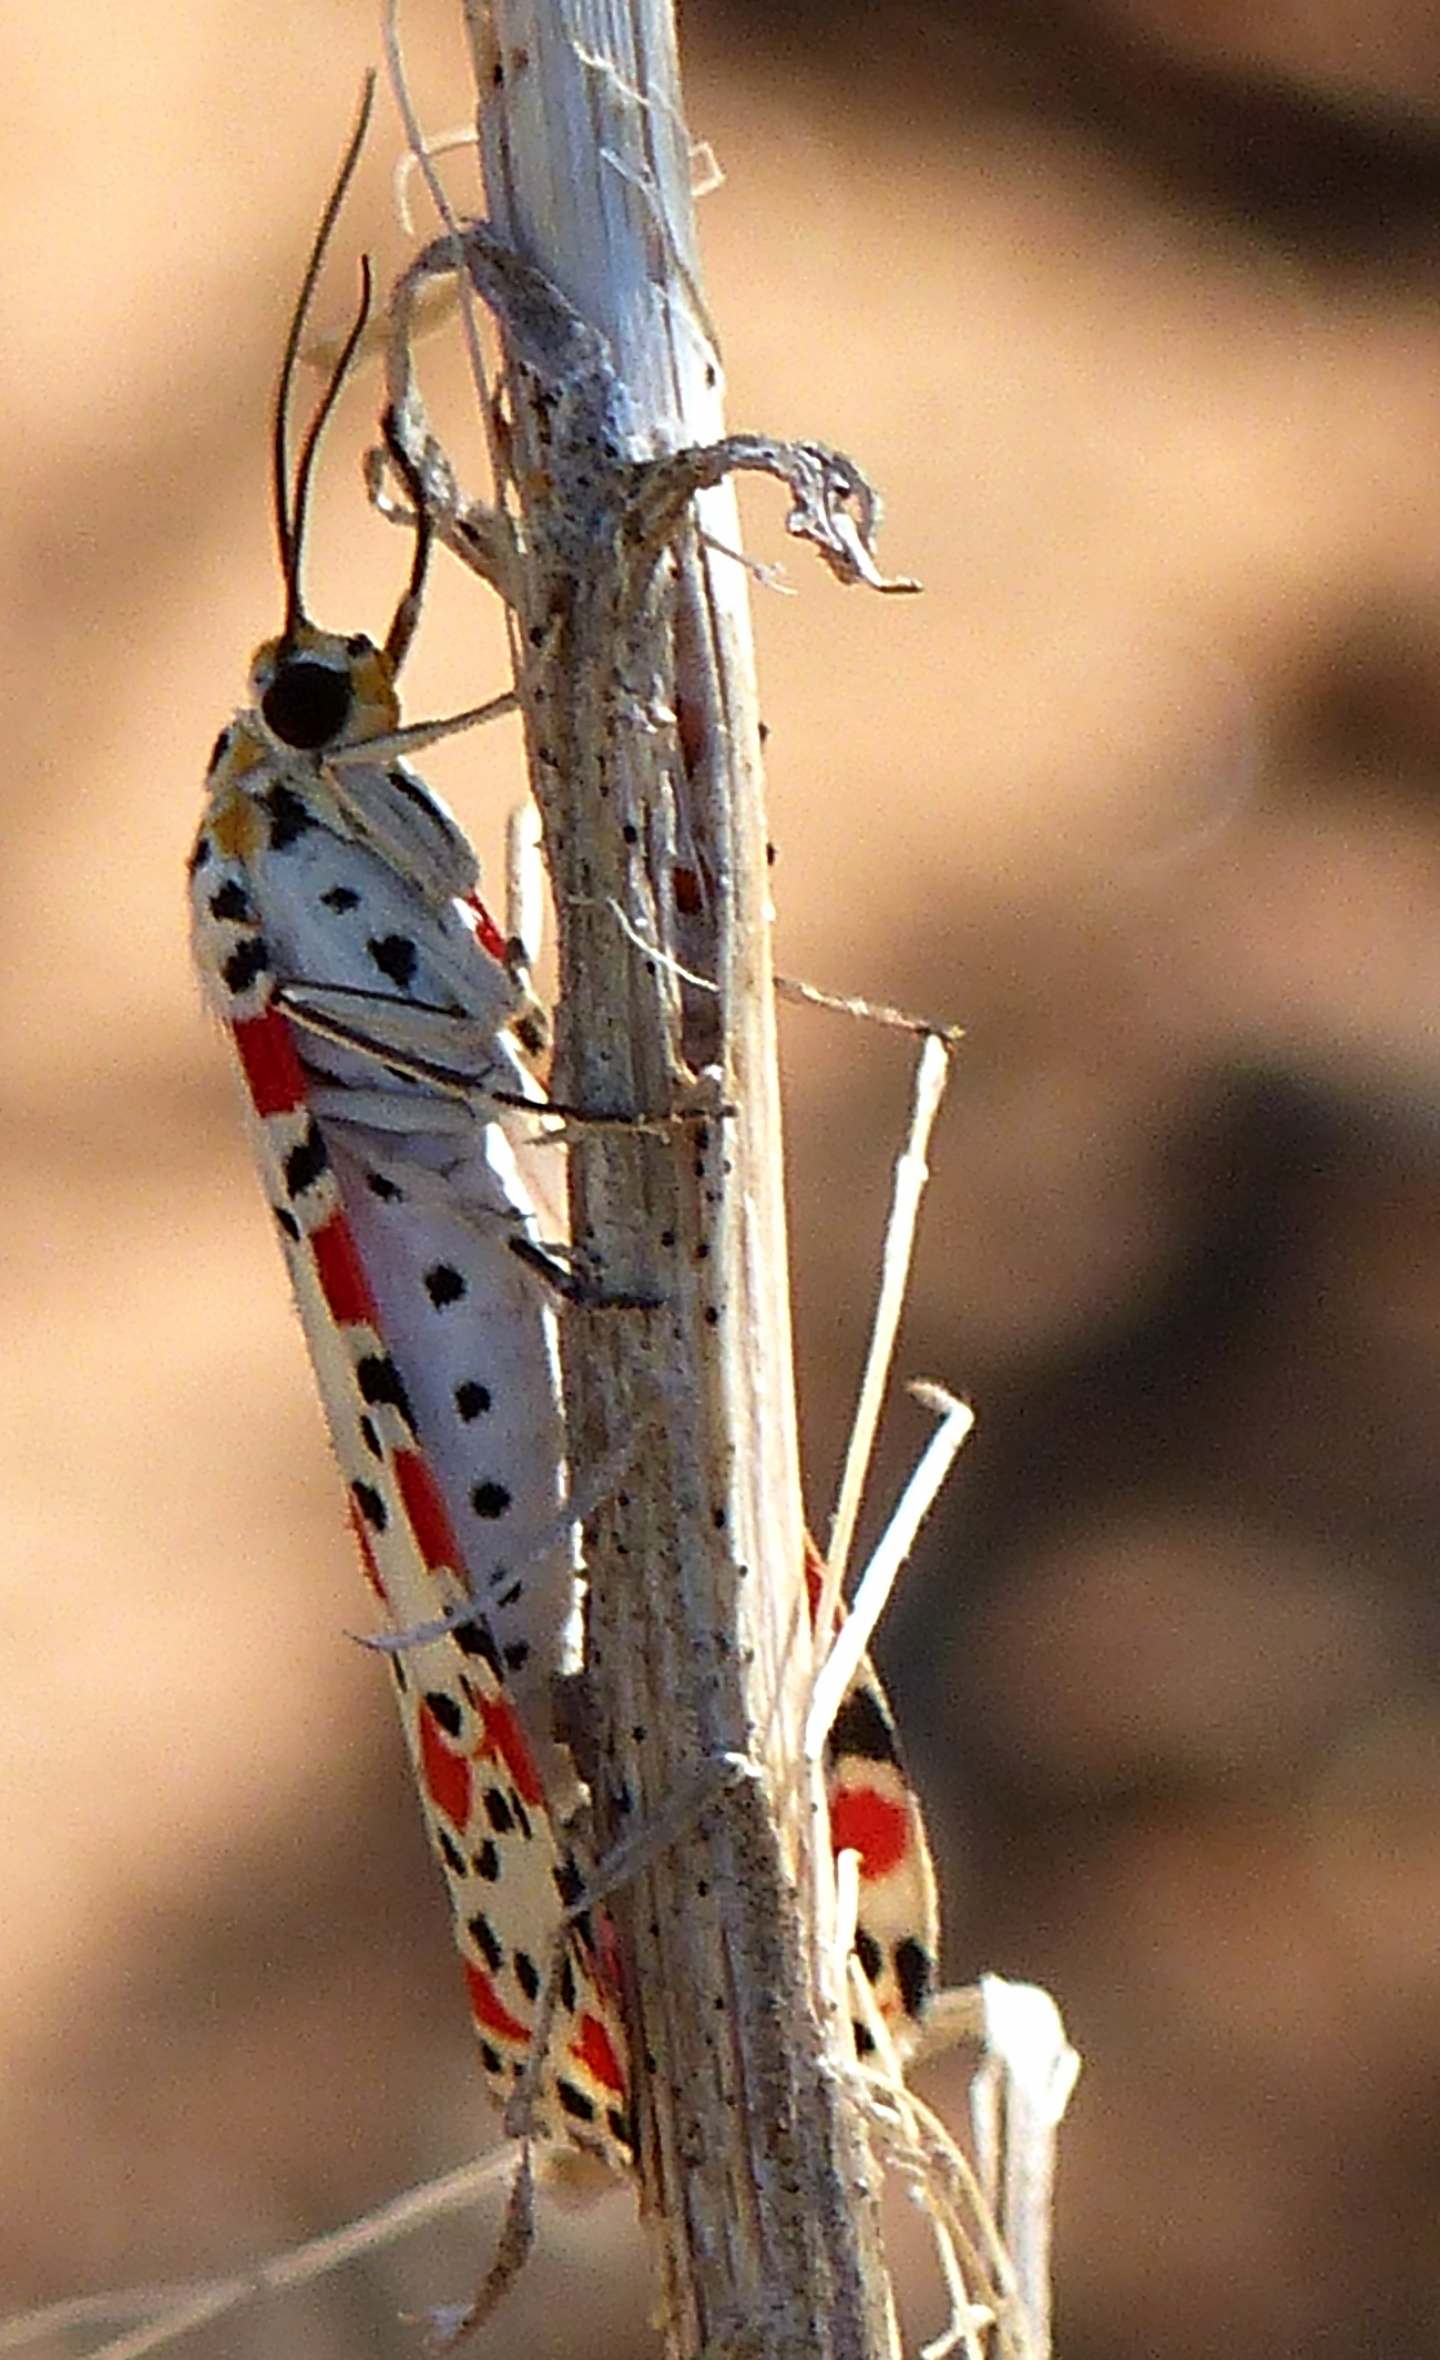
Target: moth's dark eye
{"points": [[307, 704]]}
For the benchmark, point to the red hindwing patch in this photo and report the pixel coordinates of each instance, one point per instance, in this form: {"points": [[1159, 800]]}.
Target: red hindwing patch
{"points": [[341, 1273], [429, 1517], [490, 2011], [447, 1774], [864, 1821], [272, 1068], [505, 1740]]}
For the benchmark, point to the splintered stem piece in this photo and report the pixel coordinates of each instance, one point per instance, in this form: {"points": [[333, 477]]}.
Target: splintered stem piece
{"points": [[1017, 2104], [853, 1639], [911, 1173], [524, 884], [176, 2312]]}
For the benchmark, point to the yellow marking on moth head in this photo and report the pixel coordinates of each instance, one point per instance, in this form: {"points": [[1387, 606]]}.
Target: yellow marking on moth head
{"points": [[375, 697], [235, 825], [244, 753]]}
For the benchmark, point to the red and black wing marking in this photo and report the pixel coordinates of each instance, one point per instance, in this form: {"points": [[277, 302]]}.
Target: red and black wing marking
{"points": [[875, 1813], [508, 1872]]}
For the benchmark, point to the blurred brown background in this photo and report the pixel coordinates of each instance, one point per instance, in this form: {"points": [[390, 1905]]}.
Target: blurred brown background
{"points": [[1134, 311]]}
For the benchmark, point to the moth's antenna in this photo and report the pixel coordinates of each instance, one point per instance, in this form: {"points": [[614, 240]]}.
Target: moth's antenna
{"points": [[290, 512], [294, 605], [407, 613]]}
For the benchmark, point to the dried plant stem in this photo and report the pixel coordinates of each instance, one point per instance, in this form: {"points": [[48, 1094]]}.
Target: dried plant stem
{"points": [[638, 690]]}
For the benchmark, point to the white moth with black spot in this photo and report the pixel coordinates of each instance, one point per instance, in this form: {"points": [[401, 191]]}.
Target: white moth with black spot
{"points": [[323, 861]]}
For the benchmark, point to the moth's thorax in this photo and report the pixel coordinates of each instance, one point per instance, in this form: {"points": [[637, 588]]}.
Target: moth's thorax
{"points": [[314, 691]]}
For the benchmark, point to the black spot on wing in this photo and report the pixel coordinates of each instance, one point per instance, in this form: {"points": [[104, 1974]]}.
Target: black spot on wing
{"points": [[385, 1190], [341, 898], [288, 1224], [446, 1711], [915, 1974], [527, 1974], [231, 903], [396, 957], [473, 1638], [472, 1399], [218, 752], [381, 1384], [452, 1856], [574, 2102], [290, 816], [497, 1811], [862, 1726], [490, 1500], [306, 1162], [869, 1953], [486, 1941], [247, 962], [486, 1862], [444, 1284], [200, 855], [372, 1508]]}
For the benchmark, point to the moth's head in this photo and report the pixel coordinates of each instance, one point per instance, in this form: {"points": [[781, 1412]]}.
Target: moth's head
{"points": [[312, 691], [315, 691]]}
